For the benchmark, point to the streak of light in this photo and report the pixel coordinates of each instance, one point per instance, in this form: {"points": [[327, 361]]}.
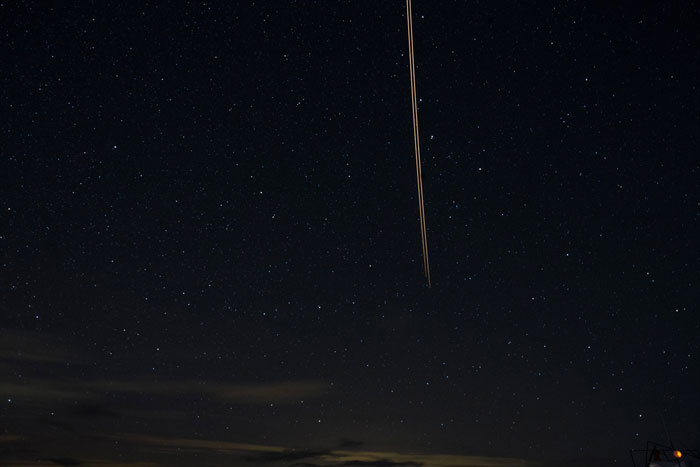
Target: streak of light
{"points": [[416, 143]]}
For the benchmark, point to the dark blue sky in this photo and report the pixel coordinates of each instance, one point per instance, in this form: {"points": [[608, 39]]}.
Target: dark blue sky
{"points": [[209, 233]]}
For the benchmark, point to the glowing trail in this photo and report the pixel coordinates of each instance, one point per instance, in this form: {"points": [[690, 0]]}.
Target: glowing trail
{"points": [[416, 142]]}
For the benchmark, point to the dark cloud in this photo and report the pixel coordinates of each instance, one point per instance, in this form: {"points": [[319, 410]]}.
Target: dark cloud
{"points": [[376, 463], [66, 461], [94, 411], [270, 454], [12, 453], [582, 461], [24, 346], [57, 424], [43, 389], [8, 438], [288, 455], [381, 463], [347, 443]]}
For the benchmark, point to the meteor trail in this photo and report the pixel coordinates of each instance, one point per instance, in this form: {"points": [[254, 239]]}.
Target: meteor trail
{"points": [[416, 142]]}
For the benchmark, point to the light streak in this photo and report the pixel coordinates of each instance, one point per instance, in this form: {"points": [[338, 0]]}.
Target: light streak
{"points": [[416, 143]]}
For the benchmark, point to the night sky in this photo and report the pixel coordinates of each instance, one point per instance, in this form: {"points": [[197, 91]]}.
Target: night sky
{"points": [[210, 249]]}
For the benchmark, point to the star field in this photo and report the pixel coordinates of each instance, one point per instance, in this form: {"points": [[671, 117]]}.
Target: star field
{"points": [[210, 245]]}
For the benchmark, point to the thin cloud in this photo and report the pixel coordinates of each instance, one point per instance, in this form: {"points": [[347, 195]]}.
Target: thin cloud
{"points": [[581, 462], [284, 392], [25, 346], [347, 443], [357, 458], [380, 463], [189, 443], [286, 455], [94, 411], [321, 458], [42, 390], [65, 461], [90, 462]]}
